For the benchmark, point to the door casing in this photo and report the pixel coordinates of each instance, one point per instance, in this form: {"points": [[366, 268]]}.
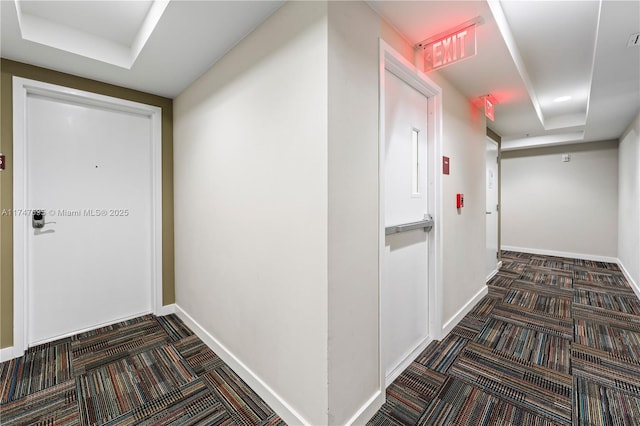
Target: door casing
{"points": [[22, 88], [492, 207], [392, 61]]}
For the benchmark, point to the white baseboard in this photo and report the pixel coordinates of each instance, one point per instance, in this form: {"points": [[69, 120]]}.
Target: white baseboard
{"points": [[275, 401], [634, 285], [449, 325], [407, 360], [166, 310], [6, 354], [495, 271], [368, 410], [583, 256]]}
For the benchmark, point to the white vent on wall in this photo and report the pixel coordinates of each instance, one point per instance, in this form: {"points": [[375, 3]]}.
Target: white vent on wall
{"points": [[634, 40]]}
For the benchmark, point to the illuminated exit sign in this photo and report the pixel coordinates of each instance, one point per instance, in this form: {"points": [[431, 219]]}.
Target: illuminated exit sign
{"points": [[454, 46], [488, 107]]}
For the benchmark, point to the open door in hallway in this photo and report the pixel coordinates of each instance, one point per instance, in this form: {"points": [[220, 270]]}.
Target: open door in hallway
{"points": [[491, 211]]}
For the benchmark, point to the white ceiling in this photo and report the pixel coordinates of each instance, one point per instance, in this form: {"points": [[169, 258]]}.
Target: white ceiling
{"points": [[100, 39], [115, 20], [529, 52]]}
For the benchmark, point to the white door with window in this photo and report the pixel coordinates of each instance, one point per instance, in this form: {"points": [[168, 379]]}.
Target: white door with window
{"points": [[87, 218], [404, 295], [491, 211]]}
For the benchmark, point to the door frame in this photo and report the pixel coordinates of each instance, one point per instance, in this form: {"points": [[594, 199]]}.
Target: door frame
{"points": [[23, 87], [392, 61], [498, 261]]}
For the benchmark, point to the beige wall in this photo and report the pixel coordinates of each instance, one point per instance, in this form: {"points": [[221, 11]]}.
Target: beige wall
{"points": [[8, 70], [290, 250], [353, 208], [251, 213], [565, 207], [629, 201], [464, 230]]}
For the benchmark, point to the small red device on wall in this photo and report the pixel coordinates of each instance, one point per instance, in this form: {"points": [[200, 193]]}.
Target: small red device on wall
{"points": [[459, 201]]}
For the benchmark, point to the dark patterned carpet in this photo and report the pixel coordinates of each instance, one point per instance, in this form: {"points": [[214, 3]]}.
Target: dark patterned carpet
{"points": [[555, 342], [146, 371]]}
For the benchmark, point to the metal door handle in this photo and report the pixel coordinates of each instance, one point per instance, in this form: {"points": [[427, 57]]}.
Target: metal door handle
{"points": [[487, 212], [426, 224]]}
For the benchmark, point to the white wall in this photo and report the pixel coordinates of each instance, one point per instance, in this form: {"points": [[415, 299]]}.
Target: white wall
{"points": [[570, 208], [629, 193], [251, 196], [353, 209], [276, 208], [276, 147], [464, 233]]}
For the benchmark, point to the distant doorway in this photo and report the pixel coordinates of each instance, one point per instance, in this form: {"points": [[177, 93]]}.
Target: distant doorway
{"points": [[492, 208]]}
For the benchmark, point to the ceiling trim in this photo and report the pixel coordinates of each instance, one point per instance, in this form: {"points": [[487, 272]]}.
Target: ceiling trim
{"points": [[62, 37], [593, 60], [510, 144], [153, 17], [553, 122], [507, 35]]}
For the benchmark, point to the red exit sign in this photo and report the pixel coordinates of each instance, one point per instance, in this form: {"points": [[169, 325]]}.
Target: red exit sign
{"points": [[450, 48], [488, 107]]}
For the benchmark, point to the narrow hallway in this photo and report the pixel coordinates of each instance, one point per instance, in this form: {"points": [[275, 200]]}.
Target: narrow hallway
{"points": [[555, 341]]}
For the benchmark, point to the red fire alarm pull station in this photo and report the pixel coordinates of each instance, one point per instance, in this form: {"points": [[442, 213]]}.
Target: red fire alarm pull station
{"points": [[2, 161], [459, 201]]}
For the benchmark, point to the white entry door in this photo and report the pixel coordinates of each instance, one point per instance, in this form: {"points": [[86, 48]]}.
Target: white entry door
{"points": [[491, 211], [88, 166], [405, 260]]}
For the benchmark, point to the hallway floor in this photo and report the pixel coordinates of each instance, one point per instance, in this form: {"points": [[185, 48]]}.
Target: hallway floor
{"points": [[555, 341], [149, 370]]}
